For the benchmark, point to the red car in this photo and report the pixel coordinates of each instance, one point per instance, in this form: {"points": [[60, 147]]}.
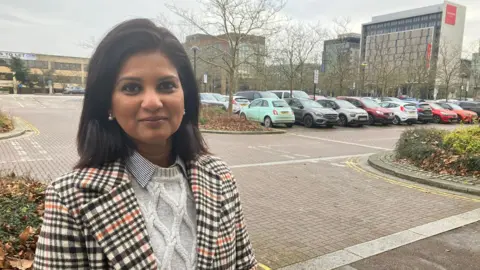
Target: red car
{"points": [[376, 113], [441, 115]]}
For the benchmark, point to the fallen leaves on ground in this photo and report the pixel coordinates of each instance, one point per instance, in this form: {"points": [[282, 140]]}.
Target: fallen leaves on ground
{"points": [[6, 123], [21, 209]]}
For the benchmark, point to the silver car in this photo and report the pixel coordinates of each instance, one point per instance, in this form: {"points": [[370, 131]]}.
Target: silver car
{"points": [[310, 113]]}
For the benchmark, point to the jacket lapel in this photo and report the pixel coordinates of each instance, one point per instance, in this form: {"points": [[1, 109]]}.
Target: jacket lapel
{"points": [[206, 188], [114, 218]]}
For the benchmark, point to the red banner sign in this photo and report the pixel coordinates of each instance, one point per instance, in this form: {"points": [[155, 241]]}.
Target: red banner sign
{"points": [[451, 15], [429, 54]]}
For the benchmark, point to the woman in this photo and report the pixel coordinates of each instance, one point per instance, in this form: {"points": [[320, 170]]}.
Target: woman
{"points": [[145, 194]]}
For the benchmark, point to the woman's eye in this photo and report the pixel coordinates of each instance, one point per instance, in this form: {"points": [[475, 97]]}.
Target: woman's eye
{"points": [[169, 86], [131, 88]]}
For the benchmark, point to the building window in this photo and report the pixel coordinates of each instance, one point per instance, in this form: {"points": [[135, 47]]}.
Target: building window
{"points": [[67, 66], [68, 79], [36, 64], [6, 76]]}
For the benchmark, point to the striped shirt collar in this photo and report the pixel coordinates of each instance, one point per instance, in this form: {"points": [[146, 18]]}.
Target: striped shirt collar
{"points": [[142, 169]]}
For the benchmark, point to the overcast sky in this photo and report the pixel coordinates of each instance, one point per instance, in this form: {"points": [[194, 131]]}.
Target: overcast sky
{"points": [[58, 27]]}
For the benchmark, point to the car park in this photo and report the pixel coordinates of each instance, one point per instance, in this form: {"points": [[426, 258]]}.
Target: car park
{"points": [[464, 116], [284, 94], [310, 113], [252, 95], [424, 112], [376, 113], [348, 114], [441, 115], [269, 111], [404, 112]]}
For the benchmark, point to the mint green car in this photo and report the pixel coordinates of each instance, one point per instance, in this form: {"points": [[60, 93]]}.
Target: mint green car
{"points": [[269, 112]]}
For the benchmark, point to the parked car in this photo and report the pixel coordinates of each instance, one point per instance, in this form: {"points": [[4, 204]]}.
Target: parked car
{"points": [[220, 97], [424, 112], [70, 90], [283, 94], [465, 116], [348, 114], [252, 95], [269, 111], [317, 97], [383, 99], [470, 105], [376, 113], [209, 99], [404, 112], [310, 113], [239, 103], [441, 115]]}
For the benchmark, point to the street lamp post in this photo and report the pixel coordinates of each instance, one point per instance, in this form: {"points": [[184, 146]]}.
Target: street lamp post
{"points": [[195, 49], [363, 65], [463, 75]]}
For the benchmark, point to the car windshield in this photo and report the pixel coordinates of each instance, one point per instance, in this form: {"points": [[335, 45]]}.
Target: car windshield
{"points": [[410, 106], [209, 97], [424, 106], [436, 106], [345, 104], [219, 97], [279, 103], [241, 100], [455, 106], [307, 103], [370, 103], [268, 95], [300, 94]]}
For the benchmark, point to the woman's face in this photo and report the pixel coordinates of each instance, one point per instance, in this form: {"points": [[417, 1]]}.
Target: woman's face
{"points": [[147, 99]]}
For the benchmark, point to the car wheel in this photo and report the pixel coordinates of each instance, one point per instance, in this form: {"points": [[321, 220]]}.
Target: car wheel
{"points": [[437, 119], [397, 121], [289, 125], [342, 120], [308, 121], [268, 122], [371, 120], [409, 123], [243, 116]]}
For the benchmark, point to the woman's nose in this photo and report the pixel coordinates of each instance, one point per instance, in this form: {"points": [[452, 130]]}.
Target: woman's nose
{"points": [[152, 100]]}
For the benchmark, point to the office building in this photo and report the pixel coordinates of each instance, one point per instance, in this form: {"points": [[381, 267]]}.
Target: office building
{"points": [[345, 49], [396, 44], [209, 60], [61, 70]]}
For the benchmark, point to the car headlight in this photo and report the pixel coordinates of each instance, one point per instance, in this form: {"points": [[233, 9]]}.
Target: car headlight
{"points": [[379, 112], [353, 114], [319, 114]]}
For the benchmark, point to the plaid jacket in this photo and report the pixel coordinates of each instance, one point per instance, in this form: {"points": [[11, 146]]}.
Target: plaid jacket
{"points": [[92, 221]]}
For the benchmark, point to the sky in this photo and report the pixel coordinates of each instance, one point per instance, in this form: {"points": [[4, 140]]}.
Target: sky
{"points": [[61, 27]]}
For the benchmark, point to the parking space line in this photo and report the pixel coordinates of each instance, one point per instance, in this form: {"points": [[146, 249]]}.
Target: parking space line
{"points": [[341, 142], [312, 160]]}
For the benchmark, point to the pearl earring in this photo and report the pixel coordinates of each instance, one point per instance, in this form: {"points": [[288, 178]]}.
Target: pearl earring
{"points": [[110, 117]]}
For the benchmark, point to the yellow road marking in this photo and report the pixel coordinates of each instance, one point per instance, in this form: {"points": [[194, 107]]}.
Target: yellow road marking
{"points": [[264, 266], [353, 164], [32, 127]]}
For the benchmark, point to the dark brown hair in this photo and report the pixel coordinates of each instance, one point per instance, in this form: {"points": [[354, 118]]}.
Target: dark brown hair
{"points": [[101, 141]]}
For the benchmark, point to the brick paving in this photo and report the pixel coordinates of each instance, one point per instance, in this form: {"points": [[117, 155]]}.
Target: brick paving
{"points": [[295, 211]]}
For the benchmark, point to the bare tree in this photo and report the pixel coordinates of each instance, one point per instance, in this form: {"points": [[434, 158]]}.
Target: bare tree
{"points": [[448, 66], [296, 45], [233, 22]]}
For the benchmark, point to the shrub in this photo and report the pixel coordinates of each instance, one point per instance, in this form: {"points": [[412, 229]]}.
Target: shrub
{"points": [[5, 123], [463, 141], [419, 144]]}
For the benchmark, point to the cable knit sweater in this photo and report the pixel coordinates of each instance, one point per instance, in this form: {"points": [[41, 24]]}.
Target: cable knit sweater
{"points": [[168, 208]]}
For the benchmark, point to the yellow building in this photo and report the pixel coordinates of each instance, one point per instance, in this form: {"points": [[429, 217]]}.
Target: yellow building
{"points": [[62, 70]]}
